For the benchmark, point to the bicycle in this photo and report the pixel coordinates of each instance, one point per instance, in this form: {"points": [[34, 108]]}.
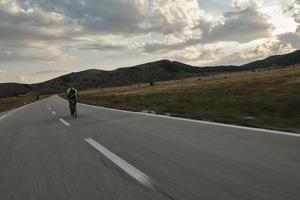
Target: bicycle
{"points": [[73, 108]]}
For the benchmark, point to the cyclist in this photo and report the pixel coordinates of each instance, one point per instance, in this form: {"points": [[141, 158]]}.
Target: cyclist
{"points": [[72, 94]]}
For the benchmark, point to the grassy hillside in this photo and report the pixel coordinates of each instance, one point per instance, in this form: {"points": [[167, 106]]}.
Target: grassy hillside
{"points": [[267, 98]]}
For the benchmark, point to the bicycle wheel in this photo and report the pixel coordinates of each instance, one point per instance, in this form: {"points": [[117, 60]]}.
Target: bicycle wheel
{"points": [[75, 112]]}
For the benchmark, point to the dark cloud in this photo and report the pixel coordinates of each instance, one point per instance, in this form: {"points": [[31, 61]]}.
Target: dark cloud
{"points": [[291, 38], [110, 16], [17, 24], [241, 26]]}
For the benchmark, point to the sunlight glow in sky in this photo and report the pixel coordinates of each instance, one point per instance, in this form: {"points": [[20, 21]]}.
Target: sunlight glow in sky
{"points": [[42, 39]]}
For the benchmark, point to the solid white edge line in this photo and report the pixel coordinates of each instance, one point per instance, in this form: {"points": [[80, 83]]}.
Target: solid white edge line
{"points": [[54, 113], [196, 121], [17, 109], [128, 168], [3, 116], [200, 121], [64, 122]]}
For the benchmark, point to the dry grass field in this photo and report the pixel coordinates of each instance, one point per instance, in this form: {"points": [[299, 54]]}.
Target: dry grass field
{"points": [[269, 99]]}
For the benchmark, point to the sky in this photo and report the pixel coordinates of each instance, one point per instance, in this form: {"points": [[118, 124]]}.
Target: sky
{"points": [[42, 39]]}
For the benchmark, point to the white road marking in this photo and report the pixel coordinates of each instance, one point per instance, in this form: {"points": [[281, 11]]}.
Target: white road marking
{"points": [[48, 106], [17, 109], [64, 122], [20, 108], [54, 113], [200, 121], [3, 116], [129, 169]]}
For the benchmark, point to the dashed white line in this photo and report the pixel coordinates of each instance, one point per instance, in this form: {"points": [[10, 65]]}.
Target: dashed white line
{"points": [[49, 108], [64, 122], [54, 113], [129, 169]]}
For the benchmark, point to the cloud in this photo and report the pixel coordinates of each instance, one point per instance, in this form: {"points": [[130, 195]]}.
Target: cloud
{"points": [[243, 25], [33, 52], [54, 71], [293, 7], [6, 76], [98, 16], [17, 23], [267, 48], [262, 49], [36, 77], [51, 31], [30, 34], [205, 56], [162, 46], [57, 24], [292, 39], [105, 47], [227, 53], [244, 4], [125, 17]]}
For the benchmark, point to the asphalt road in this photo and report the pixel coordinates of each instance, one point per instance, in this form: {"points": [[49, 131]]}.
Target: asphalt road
{"points": [[107, 154]]}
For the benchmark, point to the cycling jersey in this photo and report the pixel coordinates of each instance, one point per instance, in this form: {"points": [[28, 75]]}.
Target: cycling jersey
{"points": [[72, 93]]}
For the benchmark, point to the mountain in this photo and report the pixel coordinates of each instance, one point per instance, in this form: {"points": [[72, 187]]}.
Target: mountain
{"points": [[276, 61], [154, 71], [14, 89], [149, 72]]}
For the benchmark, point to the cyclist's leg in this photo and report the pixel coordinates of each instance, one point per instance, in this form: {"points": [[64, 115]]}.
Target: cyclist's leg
{"points": [[75, 107], [70, 106]]}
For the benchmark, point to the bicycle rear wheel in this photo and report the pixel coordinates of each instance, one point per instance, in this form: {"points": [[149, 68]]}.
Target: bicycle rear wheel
{"points": [[75, 111]]}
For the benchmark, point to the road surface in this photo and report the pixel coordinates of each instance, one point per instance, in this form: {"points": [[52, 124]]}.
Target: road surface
{"points": [[107, 154]]}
